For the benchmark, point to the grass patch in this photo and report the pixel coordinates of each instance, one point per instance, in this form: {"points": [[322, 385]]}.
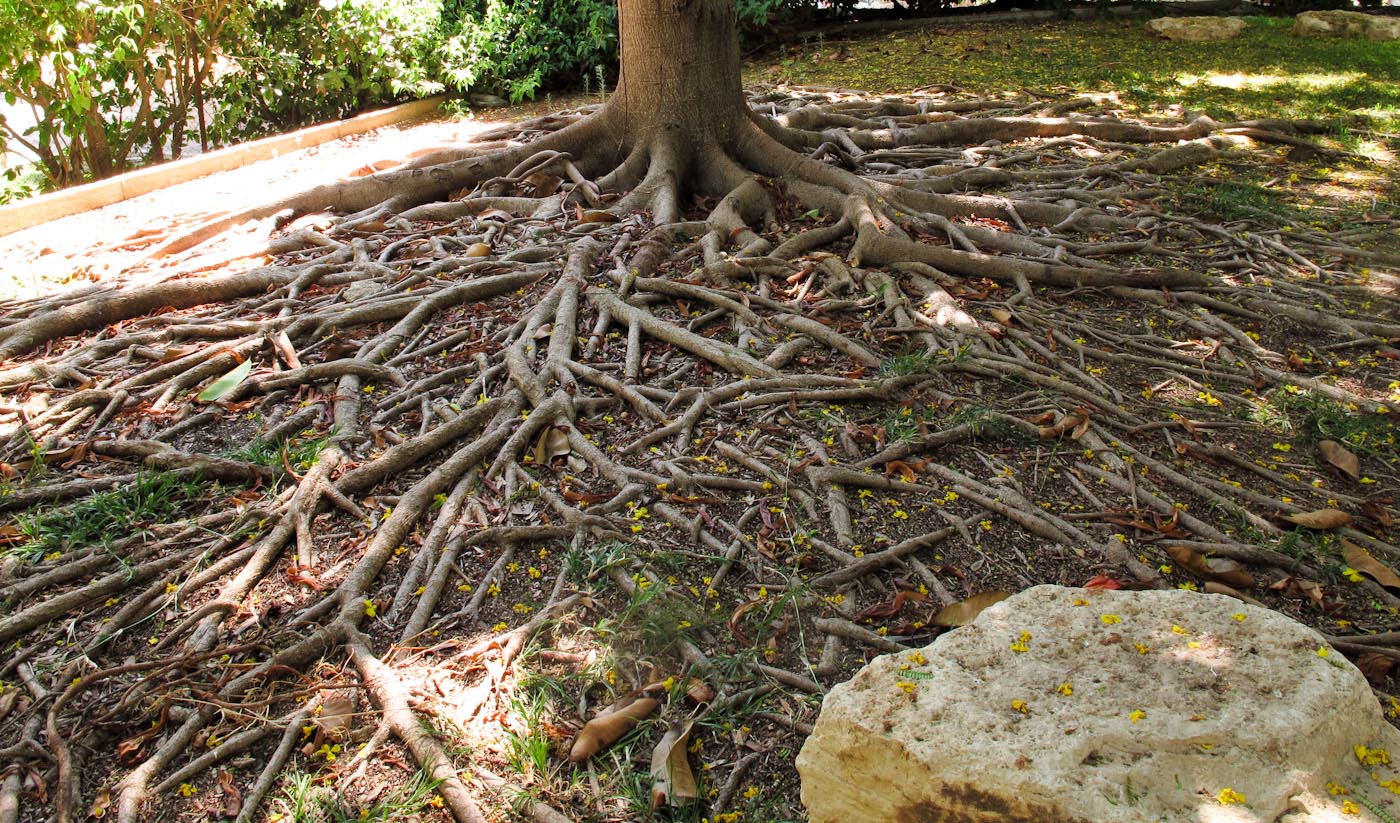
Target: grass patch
{"points": [[102, 517], [1266, 72]]}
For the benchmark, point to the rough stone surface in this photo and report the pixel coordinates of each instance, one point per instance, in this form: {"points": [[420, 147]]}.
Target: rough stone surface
{"points": [[1196, 29], [1174, 698], [1346, 24]]}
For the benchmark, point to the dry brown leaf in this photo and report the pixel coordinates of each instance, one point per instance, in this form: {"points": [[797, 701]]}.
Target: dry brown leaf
{"points": [[1362, 560], [598, 216], [699, 691], [1081, 429], [1219, 569], [1376, 667], [232, 797], [1321, 519], [610, 725], [496, 214], [477, 250], [1002, 316], [889, 608], [960, 614], [553, 443], [337, 713], [100, 804], [904, 470], [672, 779], [1064, 424], [1377, 512], [1339, 456]]}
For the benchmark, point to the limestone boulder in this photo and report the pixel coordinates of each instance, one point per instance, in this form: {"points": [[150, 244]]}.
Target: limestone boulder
{"points": [[1346, 24], [1196, 29], [1072, 706]]}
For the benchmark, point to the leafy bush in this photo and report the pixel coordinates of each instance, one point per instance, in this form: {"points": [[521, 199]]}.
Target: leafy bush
{"points": [[106, 79], [303, 61], [512, 47]]}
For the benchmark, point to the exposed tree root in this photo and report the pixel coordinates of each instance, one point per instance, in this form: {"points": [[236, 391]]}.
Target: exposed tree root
{"points": [[853, 351]]}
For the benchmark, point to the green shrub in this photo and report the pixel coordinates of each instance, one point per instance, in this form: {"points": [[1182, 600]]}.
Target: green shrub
{"points": [[303, 61]]}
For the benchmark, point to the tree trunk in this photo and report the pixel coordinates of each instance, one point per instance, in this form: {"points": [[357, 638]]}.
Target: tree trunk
{"points": [[680, 81]]}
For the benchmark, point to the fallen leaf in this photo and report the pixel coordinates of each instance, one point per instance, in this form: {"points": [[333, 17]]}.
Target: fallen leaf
{"points": [[1321, 519], [553, 443], [1377, 512], [1362, 560], [232, 797], [337, 713], [672, 779], [610, 725], [1339, 456], [1300, 589], [1376, 667], [892, 607], [598, 216], [1219, 569], [477, 250], [964, 612], [904, 470], [1002, 316], [699, 691], [1103, 582], [100, 804], [225, 385]]}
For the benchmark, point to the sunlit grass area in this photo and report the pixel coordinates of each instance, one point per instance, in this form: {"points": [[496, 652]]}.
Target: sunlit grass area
{"points": [[1266, 72]]}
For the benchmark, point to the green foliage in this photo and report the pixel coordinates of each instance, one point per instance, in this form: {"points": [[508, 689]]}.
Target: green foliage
{"points": [[106, 79], [302, 61], [104, 516], [513, 47]]}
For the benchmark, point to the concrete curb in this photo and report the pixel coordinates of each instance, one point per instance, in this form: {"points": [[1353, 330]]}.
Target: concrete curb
{"points": [[42, 209]]}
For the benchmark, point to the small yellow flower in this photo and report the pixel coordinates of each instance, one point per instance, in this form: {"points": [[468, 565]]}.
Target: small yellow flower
{"points": [[751, 792], [1323, 652], [1020, 706], [1350, 807], [371, 610], [1142, 648], [1065, 689], [1335, 789], [1229, 796], [1136, 714], [1178, 630], [187, 790], [1352, 574], [1239, 617], [917, 658], [1371, 757], [1110, 619], [906, 687]]}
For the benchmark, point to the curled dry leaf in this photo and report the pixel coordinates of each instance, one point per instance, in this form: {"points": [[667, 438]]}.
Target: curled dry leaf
{"points": [[598, 216], [672, 779], [337, 713], [1321, 519], [477, 250], [1376, 510], [1362, 560], [1218, 569], [1340, 457], [232, 798], [610, 725], [1376, 667], [960, 614], [699, 691], [553, 443], [1103, 582]]}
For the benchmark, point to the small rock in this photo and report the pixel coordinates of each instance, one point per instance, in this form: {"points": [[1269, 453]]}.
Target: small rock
{"points": [[1067, 705], [1197, 29], [1346, 24]]}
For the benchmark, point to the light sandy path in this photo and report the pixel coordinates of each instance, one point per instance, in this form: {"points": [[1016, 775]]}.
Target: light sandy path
{"points": [[77, 250]]}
